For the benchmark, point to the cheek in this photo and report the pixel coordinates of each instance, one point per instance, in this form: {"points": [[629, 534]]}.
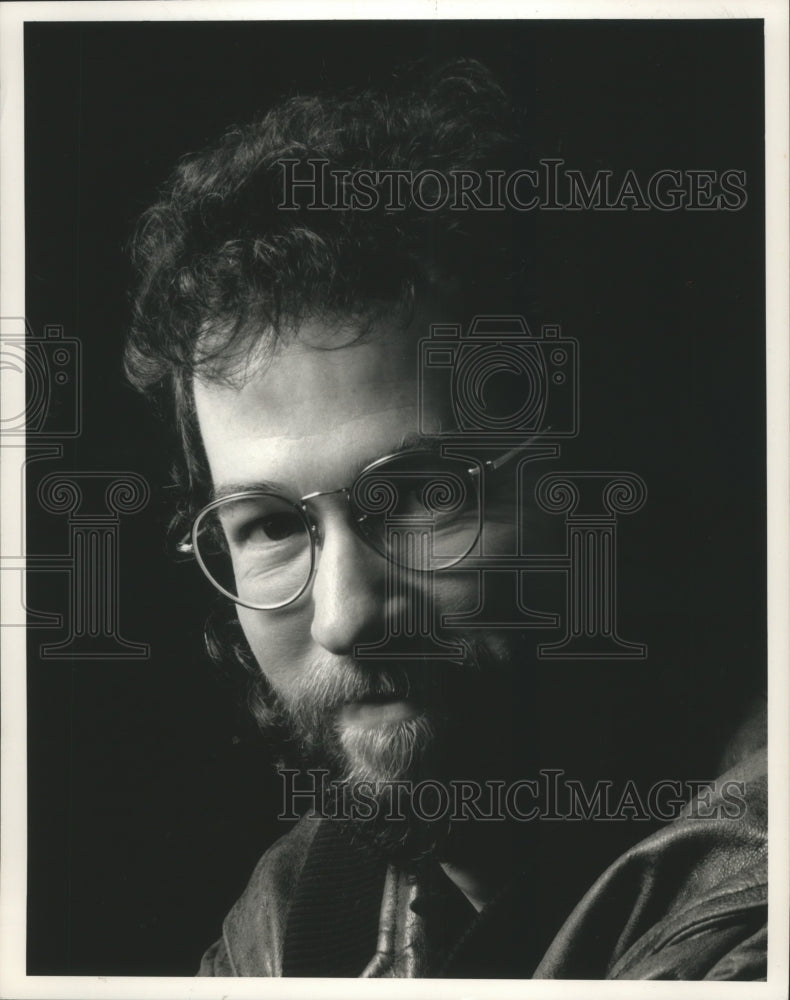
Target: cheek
{"points": [[280, 642], [455, 593]]}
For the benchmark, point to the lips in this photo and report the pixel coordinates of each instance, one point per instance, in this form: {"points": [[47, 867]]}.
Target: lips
{"points": [[379, 712], [373, 699], [379, 691]]}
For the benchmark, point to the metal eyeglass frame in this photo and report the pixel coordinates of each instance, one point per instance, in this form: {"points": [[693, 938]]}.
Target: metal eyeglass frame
{"points": [[188, 545]]}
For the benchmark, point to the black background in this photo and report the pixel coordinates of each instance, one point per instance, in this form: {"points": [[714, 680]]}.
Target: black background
{"points": [[150, 797]]}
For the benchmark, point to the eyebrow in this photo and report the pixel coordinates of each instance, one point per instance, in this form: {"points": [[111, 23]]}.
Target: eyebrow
{"points": [[250, 486], [407, 443]]}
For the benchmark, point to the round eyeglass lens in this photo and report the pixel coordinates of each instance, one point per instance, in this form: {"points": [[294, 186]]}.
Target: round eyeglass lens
{"points": [[256, 549], [420, 510]]}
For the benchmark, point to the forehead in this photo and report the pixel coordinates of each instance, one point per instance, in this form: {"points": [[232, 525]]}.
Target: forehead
{"points": [[313, 417]]}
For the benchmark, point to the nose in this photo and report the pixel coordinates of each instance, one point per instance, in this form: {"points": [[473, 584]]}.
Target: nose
{"points": [[349, 589]]}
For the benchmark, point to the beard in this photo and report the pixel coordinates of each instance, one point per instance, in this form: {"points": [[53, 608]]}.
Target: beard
{"points": [[459, 729]]}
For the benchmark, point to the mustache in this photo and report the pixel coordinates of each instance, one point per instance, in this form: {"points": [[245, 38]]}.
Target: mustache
{"points": [[329, 682]]}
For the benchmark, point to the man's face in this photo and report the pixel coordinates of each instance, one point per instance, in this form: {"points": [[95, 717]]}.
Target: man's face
{"points": [[311, 421]]}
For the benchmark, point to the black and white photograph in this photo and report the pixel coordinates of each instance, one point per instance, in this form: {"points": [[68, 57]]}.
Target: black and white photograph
{"points": [[394, 506]]}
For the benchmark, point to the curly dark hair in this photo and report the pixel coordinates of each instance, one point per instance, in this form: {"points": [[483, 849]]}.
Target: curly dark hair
{"points": [[221, 269]]}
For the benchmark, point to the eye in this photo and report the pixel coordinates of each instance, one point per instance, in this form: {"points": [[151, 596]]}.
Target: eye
{"points": [[259, 522], [276, 527]]}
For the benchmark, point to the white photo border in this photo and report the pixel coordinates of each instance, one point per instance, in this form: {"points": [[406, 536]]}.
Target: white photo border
{"points": [[13, 861]]}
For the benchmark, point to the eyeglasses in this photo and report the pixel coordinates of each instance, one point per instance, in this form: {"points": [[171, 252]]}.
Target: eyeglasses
{"points": [[419, 509]]}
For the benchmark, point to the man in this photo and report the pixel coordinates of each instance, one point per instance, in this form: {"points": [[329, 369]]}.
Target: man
{"points": [[289, 281]]}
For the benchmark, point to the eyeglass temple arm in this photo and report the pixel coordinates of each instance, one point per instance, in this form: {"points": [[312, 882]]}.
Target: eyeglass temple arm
{"points": [[496, 463], [185, 546]]}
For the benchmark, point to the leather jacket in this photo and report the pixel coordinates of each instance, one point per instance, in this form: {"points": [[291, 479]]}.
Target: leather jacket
{"points": [[688, 902]]}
